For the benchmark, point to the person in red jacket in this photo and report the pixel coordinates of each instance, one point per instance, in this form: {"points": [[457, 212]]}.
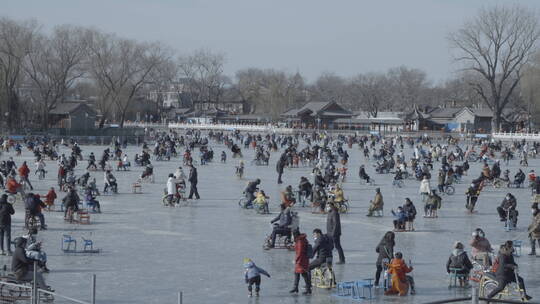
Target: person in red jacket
{"points": [[23, 173], [50, 198], [301, 264]]}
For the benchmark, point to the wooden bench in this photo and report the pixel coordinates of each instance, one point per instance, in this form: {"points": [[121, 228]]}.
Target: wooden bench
{"points": [[136, 188], [83, 217]]}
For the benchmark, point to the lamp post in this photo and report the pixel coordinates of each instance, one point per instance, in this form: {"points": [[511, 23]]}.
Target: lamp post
{"points": [[318, 123]]}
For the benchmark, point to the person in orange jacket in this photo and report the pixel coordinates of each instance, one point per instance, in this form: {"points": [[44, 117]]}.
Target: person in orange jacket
{"points": [[12, 186], [401, 282], [23, 173], [49, 198]]}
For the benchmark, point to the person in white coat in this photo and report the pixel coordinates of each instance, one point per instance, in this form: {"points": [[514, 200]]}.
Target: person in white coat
{"points": [[171, 188], [425, 188]]}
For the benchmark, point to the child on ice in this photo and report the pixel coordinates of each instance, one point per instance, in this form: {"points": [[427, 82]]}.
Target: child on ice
{"points": [[253, 276]]}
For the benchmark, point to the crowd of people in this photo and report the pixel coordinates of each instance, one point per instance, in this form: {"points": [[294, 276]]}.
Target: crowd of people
{"points": [[326, 161]]}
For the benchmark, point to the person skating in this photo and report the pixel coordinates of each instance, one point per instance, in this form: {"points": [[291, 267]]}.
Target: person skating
{"points": [[250, 191], [301, 262], [24, 171], [283, 220], [21, 265], [71, 201], [410, 211], [459, 263], [377, 203], [280, 165], [473, 192], [401, 282], [252, 276], [505, 273], [385, 250], [6, 211], [322, 248], [363, 175], [508, 209], [193, 180], [425, 188], [534, 229], [92, 201], [432, 204], [172, 183], [481, 247], [333, 230], [110, 182]]}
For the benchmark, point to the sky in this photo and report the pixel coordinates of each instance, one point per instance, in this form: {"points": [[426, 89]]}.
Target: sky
{"points": [[345, 37]]}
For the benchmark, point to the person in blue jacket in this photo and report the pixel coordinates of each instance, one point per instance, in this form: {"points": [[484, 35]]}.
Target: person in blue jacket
{"points": [[253, 276], [400, 217]]}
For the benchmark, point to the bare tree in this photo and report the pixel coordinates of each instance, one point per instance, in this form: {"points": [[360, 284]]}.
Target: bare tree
{"points": [[54, 64], [249, 83], [329, 87], [15, 38], [120, 67], [372, 92], [406, 87], [203, 74], [530, 90], [270, 91], [496, 45], [162, 79]]}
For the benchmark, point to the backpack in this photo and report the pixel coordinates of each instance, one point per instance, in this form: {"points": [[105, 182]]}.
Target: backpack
{"points": [[309, 251]]}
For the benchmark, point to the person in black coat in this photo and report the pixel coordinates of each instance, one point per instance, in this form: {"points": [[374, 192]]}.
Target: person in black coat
{"points": [[506, 271], [193, 179], [385, 249], [20, 265], [410, 210], [333, 230], [6, 211], [71, 200], [280, 165], [459, 261], [322, 249]]}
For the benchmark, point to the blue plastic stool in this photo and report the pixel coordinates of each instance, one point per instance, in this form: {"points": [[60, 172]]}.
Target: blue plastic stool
{"points": [[363, 289], [454, 276], [88, 243], [345, 289], [67, 239]]}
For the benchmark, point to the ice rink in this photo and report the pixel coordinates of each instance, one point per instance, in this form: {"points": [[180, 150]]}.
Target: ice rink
{"points": [[151, 252]]}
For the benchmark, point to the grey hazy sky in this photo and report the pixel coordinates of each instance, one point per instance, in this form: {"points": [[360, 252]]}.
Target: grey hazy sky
{"points": [[346, 37]]}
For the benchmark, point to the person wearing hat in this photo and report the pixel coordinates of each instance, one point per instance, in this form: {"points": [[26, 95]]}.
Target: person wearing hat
{"points": [[481, 247], [20, 265], [377, 203], [252, 276], [460, 263]]}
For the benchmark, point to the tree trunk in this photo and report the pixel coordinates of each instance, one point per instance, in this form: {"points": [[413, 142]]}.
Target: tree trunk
{"points": [[45, 118], [496, 121]]}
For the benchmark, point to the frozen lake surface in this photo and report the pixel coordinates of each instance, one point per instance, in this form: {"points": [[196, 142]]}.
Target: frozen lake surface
{"points": [[150, 252]]}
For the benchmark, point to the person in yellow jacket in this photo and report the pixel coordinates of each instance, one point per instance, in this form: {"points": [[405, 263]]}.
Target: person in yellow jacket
{"points": [[339, 196], [260, 201]]}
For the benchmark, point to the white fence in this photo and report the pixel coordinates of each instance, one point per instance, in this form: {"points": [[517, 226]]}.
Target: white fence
{"points": [[231, 127], [208, 126], [517, 136]]}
